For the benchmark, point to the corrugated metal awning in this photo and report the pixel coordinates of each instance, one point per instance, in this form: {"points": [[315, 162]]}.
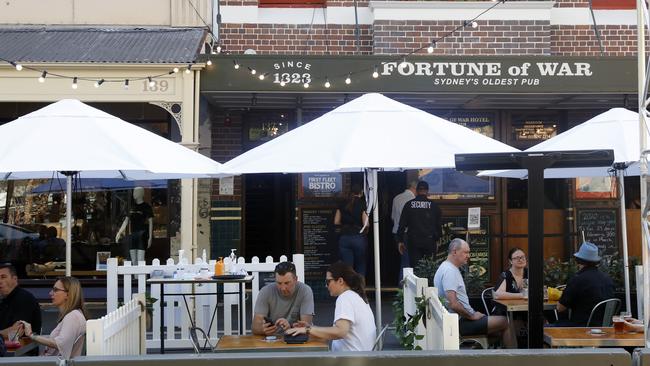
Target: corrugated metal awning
{"points": [[101, 45]]}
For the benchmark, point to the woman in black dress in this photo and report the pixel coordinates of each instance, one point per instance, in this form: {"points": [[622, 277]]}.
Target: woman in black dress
{"points": [[510, 285]]}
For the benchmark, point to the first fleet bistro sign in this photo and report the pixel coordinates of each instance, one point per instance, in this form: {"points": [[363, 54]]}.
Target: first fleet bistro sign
{"points": [[541, 74]]}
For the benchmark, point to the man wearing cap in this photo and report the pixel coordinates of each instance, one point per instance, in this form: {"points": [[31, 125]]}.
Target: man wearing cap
{"points": [[587, 288], [283, 304], [422, 218]]}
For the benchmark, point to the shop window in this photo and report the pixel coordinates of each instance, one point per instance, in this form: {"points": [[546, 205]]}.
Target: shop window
{"points": [[292, 3], [262, 126], [613, 4], [452, 184]]}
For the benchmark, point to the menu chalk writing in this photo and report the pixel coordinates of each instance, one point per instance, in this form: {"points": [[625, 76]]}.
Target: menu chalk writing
{"points": [[319, 243], [599, 226]]}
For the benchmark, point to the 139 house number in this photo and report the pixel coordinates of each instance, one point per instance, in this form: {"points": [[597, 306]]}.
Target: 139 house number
{"points": [[158, 86], [294, 78]]}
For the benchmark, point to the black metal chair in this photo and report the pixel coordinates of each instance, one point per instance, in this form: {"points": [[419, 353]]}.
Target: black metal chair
{"points": [[196, 343]]}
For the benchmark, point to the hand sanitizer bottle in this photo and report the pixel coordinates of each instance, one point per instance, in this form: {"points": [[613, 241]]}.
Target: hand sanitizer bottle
{"points": [[233, 261]]}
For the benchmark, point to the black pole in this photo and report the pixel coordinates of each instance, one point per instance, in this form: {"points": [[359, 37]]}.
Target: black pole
{"points": [[536, 249]]}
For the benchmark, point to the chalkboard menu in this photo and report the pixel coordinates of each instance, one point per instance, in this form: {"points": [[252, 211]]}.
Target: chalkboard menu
{"points": [[599, 226], [479, 242], [319, 246]]}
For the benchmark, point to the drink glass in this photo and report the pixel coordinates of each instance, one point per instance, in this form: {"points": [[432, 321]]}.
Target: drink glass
{"points": [[619, 325], [626, 315]]}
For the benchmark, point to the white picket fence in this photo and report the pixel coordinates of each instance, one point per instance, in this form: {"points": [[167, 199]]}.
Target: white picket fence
{"points": [[201, 307], [120, 332], [438, 326]]}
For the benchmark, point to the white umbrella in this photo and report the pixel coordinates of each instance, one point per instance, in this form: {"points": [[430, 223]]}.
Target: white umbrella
{"points": [[368, 134], [69, 137], [618, 130]]}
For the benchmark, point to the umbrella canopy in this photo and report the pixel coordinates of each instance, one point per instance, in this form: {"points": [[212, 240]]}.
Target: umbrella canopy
{"points": [[68, 137], [366, 134], [372, 131], [617, 129], [97, 184], [71, 136]]}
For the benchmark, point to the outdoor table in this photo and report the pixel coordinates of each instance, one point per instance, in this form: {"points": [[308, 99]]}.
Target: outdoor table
{"points": [[582, 337], [241, 289], [514, 305], [254, 343], [26, 345]]}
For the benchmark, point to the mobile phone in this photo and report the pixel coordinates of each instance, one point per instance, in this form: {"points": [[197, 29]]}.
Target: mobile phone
{"points": [[268, 320]]}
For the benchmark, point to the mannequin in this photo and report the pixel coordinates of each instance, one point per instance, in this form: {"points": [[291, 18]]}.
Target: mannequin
{"points": [[140, 219]]}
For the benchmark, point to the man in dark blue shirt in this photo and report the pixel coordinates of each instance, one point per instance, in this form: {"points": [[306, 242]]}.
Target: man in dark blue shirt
{"points": [[587, 288], [16, 303], [421, 219]]}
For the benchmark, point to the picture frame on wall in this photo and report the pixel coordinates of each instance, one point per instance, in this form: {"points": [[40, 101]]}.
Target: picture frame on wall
{"points": [[102, 260], [595, 188]]}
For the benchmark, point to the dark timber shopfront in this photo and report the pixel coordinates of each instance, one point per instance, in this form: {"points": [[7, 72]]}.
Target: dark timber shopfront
{"points": [[518, 100]]}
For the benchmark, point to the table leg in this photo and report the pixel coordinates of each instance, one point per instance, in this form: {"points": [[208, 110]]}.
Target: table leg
{"points": [[162, 318], [242, 287]]}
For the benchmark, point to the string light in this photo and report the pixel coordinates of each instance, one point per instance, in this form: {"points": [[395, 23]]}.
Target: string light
{"points": [[41, 79], [306, 84], [253, 71], [474, 25], [189, 68], [375, 74], [209, 62], [327, 82], [74, 83], [16, 65], [175, 70], [151, 82], [431, 46], [348, 80], [126, 84], [282, 83], [262, 76], [236, 64], [218, 48], [99, 83]]}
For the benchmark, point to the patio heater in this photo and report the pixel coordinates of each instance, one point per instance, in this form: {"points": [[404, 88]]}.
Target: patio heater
{"points": [[535, 163]]}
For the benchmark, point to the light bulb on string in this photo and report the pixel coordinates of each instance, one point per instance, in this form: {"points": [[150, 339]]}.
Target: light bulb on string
{"points": [[348, 80], [375, 74], [209, 62], [17, 66], [282, 83], [126, 84], [236, 64], [262, 76], [474, 24], [253, 71], [41, 79], [327, 82], [175, 70], [431, 46], [99, 83], [151, 82], [218, 48], [189, 68], [306, 84], [74, 83]]}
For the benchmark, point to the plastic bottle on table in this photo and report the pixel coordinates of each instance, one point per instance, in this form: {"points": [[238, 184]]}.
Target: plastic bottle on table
{"points": [[219, 267]]}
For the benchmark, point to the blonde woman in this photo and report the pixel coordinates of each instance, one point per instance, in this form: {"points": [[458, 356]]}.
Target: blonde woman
{"points": [[68, 297]]}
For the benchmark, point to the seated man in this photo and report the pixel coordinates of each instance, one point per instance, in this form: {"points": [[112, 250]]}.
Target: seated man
{"points": [[17, 303], [585, 289], [284, 304], [451, 287]]}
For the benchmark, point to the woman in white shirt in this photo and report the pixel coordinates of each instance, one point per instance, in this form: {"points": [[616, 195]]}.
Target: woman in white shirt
{"points": [[354, 323], [68, 297]]}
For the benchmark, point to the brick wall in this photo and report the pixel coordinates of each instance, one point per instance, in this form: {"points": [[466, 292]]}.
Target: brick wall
{"points": [[511, 37], [295, 38], [226, 144], [580, 40]]}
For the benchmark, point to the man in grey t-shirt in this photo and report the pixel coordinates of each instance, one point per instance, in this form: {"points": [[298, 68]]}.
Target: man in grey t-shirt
{"points": [[451, 287], [286, 303]]}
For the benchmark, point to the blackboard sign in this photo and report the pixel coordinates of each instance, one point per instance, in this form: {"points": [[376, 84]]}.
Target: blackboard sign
{"points": [[479, 242], [599, 226], [319, 246]]}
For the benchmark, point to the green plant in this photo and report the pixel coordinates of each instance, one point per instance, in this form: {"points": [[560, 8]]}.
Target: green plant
{"points": [[405, 327], [557, 273]]}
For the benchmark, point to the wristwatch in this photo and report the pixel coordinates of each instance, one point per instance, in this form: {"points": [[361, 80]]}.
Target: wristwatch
{"points": [[32, 336]]}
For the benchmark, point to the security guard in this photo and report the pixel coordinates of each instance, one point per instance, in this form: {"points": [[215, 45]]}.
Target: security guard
{"points": [[423, 219]]}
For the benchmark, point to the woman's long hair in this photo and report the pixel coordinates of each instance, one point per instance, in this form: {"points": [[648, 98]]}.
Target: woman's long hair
{"points": [[354, 280], [355, 192], [75, 298]]}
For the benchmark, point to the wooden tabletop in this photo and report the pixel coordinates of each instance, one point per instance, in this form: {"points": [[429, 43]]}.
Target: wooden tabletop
{"points": [[159, 281], [249, 343], [583, 337], [26, 345], [522, 304]]}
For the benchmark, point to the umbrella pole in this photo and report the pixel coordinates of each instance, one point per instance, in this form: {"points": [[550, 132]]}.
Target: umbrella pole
{"points": [[375, 229], [626, 272], [68, 227]]}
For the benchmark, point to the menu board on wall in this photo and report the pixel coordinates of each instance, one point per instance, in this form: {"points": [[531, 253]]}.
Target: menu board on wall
{"points": [[319, 245], [599, 227]]}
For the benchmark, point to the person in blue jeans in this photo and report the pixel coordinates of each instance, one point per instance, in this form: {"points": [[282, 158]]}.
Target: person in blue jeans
{"points": [[350, 221]]}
